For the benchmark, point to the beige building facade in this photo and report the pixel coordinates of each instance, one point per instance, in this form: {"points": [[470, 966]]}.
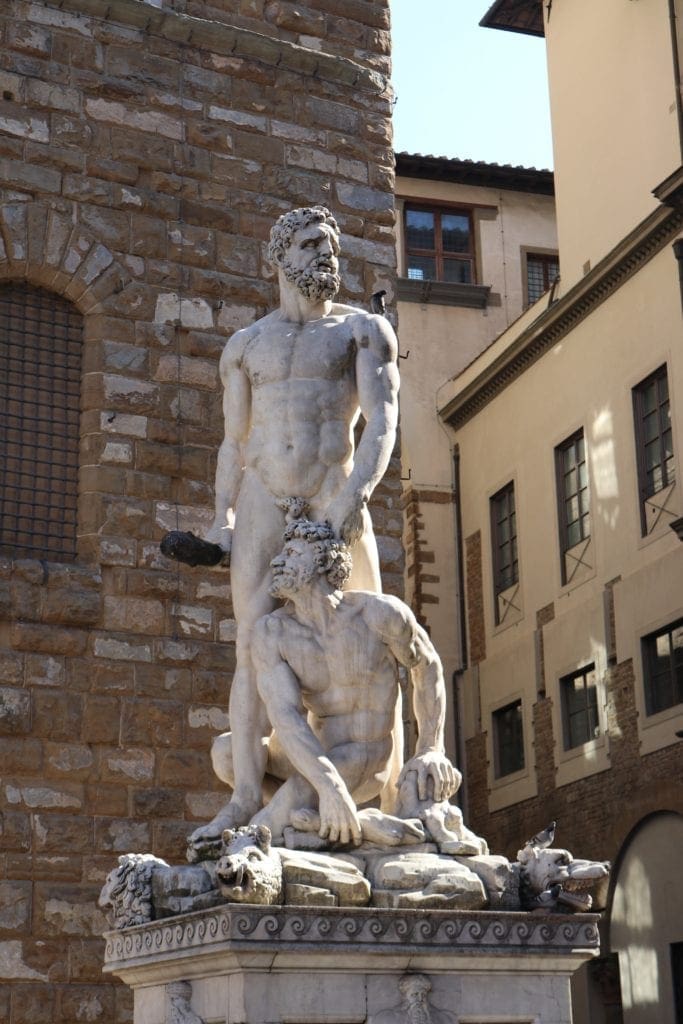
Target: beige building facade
{"points": [[569, 429], [499, 222]]}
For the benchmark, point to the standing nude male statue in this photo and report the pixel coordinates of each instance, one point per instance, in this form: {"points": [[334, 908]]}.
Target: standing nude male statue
{"points": [[295, 383]]}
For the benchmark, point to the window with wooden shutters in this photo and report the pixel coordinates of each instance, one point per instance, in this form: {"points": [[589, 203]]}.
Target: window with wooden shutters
{"points": [[41, 341]]}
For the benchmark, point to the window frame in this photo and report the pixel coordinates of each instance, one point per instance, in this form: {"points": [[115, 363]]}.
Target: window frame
{"points": [[517, 733], [439, 209], [641, 443], [546, 257], [585, 672], [647, 644], [42, 352], [502, 583], [563, 498]]}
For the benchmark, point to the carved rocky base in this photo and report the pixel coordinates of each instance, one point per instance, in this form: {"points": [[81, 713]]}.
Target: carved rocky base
{"points": [[317, 965]]}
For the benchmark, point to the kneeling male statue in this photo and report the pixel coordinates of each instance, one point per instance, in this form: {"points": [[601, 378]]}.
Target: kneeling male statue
{"points": [[327, 673]]}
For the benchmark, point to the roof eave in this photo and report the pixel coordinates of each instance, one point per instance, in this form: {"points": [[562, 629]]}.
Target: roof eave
{"points": [[512, 16]]}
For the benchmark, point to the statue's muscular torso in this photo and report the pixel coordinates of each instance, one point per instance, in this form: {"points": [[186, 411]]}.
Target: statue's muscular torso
{"points": [[348, 678], [304, 399]]}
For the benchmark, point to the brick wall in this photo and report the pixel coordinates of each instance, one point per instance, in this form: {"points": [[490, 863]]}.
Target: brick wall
{"points": [[595, 814], [474, 589], [144, 154]]}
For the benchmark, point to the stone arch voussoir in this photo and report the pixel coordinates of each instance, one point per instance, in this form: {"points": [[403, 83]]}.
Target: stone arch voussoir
{"points": [[43, 245]]}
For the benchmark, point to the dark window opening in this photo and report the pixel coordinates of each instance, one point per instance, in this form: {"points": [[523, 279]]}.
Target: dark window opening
{"points": [[579, 699], [41, 341], [663, 668], [439, 245], [504, 539], [542, 270], [654, 445], [573, 493], [508, 739]]}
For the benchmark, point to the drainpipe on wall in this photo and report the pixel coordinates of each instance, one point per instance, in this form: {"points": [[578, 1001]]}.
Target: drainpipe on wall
{"points": [[459, 672], [677, 72]]}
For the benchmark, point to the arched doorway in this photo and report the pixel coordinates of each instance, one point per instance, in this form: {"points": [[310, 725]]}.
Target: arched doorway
{"points": [[646, 921]]}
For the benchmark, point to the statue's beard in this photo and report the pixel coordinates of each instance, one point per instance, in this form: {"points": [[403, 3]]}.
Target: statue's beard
{"points": [[314, 283], [286, 582]]}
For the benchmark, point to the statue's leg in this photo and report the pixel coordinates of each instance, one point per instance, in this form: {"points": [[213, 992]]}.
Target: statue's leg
{"points": [[278, 768], [365, 573], [296, 792], [257, 539]]}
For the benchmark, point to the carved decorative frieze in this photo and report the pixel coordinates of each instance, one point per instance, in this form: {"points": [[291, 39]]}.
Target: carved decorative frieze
{"points": [[320, 927]]}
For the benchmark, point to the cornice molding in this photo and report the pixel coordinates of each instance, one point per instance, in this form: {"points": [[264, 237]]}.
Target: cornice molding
{"points": [[443, 293], [625, 260], [276, 928], [229, 40]]}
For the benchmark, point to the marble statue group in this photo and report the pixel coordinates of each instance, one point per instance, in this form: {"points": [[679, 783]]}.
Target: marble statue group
{"points": [[324, 809]]}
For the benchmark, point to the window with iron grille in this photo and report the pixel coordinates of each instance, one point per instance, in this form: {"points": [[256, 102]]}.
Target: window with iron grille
{"points": [[573, 494], [654, 446], [579, 701], [439, 245], [663, 668], [41, 340], [542, 269], [508, 739], [504, 539]]}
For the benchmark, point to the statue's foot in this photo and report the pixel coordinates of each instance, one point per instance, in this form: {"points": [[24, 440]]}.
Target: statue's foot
{"points": [[205, 842], [386, 830], [305, 820]]}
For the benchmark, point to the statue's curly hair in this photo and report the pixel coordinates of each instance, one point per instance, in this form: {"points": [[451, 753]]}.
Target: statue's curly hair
{"points": [[284, 227], [333, 556]]}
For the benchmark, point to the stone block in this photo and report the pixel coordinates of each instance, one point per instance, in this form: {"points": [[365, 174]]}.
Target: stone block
{"points": [[23, 125], [11, 668], [19, 755], [101, 719], [133, 615], [157, 802], [121, 650], [117, 551], [104, 799], [127, 765], [151, 121], [65, 797], [154, 680], [193, 620], [15, 906], [69, 760], [15, 711], [71, 605], [154, 723], [120, 835], [67, 909], [57, 715], [87, 1003], [192, 766], [183, 370]]}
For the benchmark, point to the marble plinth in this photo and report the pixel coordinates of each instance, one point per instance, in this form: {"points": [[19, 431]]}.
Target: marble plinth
{"points": [[317, 965]]}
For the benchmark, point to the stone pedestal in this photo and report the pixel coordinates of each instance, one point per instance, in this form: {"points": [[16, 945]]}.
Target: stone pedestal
{"points": [[319, 965]]}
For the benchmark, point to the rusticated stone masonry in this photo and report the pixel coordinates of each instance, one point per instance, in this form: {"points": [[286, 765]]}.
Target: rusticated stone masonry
{"points": [[144, 154]]}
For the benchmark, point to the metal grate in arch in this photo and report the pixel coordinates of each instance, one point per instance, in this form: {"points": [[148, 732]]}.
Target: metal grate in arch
{"points": [[41, 344]]}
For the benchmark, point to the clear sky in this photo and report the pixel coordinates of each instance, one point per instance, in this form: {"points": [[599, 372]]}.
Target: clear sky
{"points": [[464, 91]]}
